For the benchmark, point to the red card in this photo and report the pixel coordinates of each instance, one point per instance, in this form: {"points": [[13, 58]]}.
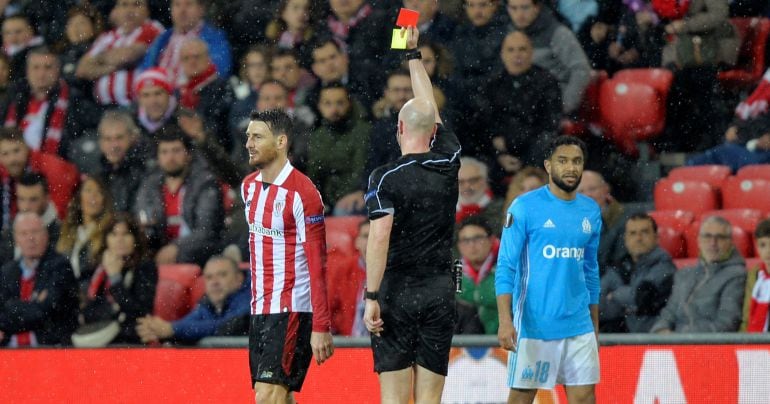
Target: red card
{"points": [[407, 18]]}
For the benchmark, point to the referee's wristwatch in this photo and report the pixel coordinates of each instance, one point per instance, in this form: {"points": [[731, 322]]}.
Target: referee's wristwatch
{"points": [[371, 295]]}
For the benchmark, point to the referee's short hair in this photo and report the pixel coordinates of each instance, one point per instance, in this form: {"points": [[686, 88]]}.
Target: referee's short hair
{"points": [[566, 140], [278, 121]]}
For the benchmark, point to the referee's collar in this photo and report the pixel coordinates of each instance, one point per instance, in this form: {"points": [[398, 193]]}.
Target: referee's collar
{"points": [[282, 176]]}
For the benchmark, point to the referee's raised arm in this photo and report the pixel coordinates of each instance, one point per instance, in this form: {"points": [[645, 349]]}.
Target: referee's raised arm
{"points": [[421, 85]]}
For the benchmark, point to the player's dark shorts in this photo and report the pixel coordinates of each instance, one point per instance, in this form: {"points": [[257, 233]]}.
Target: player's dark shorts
{"points": [[279, 348], [419, 316]]}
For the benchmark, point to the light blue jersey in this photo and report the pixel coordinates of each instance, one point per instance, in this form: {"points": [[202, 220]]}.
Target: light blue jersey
{"points": [[548, 264]]}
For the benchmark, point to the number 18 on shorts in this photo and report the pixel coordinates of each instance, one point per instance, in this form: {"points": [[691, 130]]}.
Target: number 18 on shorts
{"points": [[539, 364]]}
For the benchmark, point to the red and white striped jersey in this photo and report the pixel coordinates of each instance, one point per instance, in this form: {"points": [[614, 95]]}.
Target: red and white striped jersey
{"points": [[287, 245], [115, 88]]}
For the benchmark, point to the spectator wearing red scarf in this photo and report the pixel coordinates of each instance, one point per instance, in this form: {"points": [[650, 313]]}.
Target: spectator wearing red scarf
{"points": [[476, 197], [477, 304], [50, 113], [204, 91]]}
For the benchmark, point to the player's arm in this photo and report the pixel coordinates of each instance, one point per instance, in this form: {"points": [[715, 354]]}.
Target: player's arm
{"points": [[376, 259], [421, 85], [591, 271], [315, 251], [511, 246]]}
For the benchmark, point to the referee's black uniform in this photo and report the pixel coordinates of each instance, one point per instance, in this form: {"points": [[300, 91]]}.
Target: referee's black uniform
{"points": [[417, 302]]}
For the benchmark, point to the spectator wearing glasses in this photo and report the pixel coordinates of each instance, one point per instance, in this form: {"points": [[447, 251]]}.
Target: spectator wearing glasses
{"points": [[709, 296], [477, 304]]}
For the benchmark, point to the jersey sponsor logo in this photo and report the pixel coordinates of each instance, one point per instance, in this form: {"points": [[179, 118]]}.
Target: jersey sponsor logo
{"points": [[264, 231], [369, 195], [586, 225], [549, 224], [509, 219], [314, 219], [552, 252]]}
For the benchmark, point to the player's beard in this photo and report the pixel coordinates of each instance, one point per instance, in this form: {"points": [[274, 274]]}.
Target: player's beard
{"points": [[263, 159], [563, 186]]}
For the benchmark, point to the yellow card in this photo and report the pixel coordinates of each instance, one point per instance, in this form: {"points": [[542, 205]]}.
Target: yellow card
{"points": [[398, 42]]}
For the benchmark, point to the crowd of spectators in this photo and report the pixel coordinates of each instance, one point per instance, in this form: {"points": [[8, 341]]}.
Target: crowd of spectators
{"points": [[121, 147]]}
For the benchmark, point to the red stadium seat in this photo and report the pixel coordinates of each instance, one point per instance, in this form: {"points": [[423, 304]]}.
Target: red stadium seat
{"points": [[676, 219], [746, 219], [341, 232], [695, 196], [197, 291], [751, 58], [746, 193], [714, 175], [741, 239], [588, 111], [175, 284], [672, 240], [659, 79], [631, 112], [754, 172], [682, 263]]}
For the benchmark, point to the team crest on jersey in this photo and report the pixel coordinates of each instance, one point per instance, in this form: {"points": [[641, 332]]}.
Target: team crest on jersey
{"points": [[509, 220], [586, 226], [278, 208]]}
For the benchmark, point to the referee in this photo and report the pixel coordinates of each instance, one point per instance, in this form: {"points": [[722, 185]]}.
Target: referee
{"points": [[410, 302]]}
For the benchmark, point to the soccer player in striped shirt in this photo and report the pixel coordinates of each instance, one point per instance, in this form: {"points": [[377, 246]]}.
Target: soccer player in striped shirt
{"points": [[289, 315]]}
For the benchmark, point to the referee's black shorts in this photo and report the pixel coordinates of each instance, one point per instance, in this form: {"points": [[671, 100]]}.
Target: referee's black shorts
{"points": [[419, 315], [279, 348]]}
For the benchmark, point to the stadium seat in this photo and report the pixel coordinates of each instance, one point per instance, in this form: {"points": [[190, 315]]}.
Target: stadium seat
{"points": [[751, 57], [741, 239], [175, 284], [588, 111], [746, 219], [341, 232], [197, 291], [681, 263], [714, 175], [754, 172], [657, 78], [631, 112], [676, 219], [695, 196], [746, 193], [672, 240]]}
